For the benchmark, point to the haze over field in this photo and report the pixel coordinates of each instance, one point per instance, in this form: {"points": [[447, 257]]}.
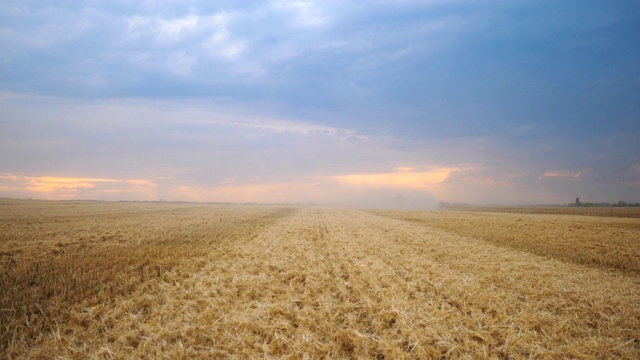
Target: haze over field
{"points": [[374, 104]]}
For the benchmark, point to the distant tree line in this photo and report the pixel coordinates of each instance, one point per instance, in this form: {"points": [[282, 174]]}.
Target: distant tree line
{"points": [[459, 205], [620, 203]]}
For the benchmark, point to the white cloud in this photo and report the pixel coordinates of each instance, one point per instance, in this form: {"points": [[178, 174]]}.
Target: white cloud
{"points": [[176, 28], [181, 63], [294, 127], [162, 29], [181, 45], [305, 13], [219, 40], [560, 175]]}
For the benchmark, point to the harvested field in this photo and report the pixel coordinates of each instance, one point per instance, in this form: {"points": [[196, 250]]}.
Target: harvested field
{"points": [[241, 281], [604, 211], [601, 242]]}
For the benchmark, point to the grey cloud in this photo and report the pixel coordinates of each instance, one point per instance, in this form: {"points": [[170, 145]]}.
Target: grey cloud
{"points": [[139, 138], [211, 90]]}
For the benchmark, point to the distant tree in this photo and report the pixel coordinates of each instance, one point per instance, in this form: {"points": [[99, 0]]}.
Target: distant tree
{"points": [[622, 203], [577, 201]]}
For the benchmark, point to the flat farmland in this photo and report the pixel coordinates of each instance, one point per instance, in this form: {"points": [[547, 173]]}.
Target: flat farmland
{"points": [[123, 280], [605, 211]]}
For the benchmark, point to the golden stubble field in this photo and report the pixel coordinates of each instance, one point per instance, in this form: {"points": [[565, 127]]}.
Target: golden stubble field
{"points": [[118, 280]]}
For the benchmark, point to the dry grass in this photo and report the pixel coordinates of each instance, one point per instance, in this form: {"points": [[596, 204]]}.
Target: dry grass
{"points": [[57, 255], [602, 242], [320, 283], [604, 211]]}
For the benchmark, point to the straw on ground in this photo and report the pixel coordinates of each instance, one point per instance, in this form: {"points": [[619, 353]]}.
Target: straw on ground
{"points": [[163, 280]]}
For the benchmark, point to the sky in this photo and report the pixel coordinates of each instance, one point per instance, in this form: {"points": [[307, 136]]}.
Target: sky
{"points": [[383, 104]]}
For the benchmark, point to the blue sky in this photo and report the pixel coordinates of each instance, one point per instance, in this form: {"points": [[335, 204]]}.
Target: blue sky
{"points": [[378, 103]]}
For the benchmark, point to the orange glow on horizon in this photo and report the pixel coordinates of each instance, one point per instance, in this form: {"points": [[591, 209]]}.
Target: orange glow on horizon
{"points": [[53, 183], [321, 189], [555, 174], [403, 178], [66, 187], [260, 193]]}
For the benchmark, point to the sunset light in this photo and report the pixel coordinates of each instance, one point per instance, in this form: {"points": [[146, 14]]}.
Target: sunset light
{"points": [[321, 102], [318, 179]]}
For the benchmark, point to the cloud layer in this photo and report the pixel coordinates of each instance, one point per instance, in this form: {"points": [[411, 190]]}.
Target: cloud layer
{"points": [[401, 103]]}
